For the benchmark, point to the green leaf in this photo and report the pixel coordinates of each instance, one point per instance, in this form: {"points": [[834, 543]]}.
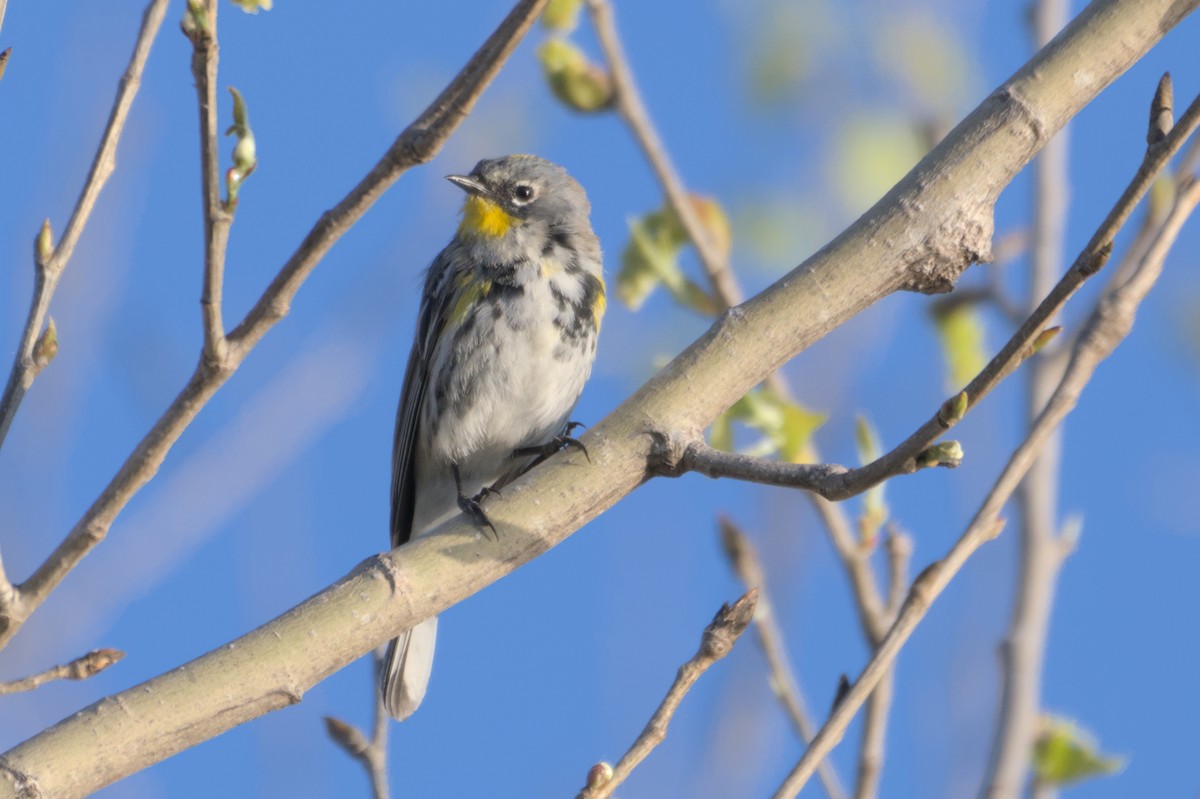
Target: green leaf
{"points": [[577, 82], [1065, 753], [875, 511], [960, 328], [787, 427], [652, 256], [245, 152], [252, 6], [872, 153], [562, 15]]}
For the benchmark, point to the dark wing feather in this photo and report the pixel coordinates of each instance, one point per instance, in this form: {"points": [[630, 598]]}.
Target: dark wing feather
{"points": [[435, 303]]}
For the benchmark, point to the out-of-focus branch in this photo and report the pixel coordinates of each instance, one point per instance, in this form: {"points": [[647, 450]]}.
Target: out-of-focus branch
{"points": [[1106, 328], [419, 142], [80, 668], [718, 638], [372, 754], [217, 217], [51, 260], [749, 570], [879, 705], [1040, 552]]}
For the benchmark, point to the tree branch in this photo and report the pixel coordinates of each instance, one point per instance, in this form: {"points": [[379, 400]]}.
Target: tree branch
{"points": [[50, 260], [217, 218], [679, 454], [80, 668], [1023, 653], [1106, 328], [891, 247], [371, 754], [419, 142], [782, 676], [719, 637], [628, 102]]}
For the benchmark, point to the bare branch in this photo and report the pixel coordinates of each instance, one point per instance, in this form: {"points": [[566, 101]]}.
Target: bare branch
{"points": [[719, 637], [80, 668], [217, 218], [419, 142], [371, 754], [50, 270], [890, 248], [1109, 324], [629, 105], [782, 674]]}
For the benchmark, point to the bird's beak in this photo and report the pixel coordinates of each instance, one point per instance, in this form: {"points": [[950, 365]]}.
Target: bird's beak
{"points": [[468, 184]]}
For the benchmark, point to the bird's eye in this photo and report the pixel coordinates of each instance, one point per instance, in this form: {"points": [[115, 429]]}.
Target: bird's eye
{"points": [[523, 193]]}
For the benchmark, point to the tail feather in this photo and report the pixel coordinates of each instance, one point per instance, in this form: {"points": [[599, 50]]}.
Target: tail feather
{"points": [[406, 668]]}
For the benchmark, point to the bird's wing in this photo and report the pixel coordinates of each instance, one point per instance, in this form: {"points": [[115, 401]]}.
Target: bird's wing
{"points": [[435, 303]]}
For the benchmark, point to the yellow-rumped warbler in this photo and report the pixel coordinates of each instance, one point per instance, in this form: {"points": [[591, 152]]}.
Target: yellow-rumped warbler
{"points": [[504, 342]]}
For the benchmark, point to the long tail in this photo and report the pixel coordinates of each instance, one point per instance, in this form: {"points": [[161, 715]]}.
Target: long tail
{"points": [[406, 668]]}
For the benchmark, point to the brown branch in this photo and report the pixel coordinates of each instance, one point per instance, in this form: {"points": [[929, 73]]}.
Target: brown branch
{"points": [[746, 565], [718, 638], [80, 668], [217, 218], [419, 142], [1106, 328], [371, 754], [628, 102], [50, 265]]}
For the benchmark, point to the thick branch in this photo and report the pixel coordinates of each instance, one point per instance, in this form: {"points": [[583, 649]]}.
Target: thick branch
{"points": [[718, 638], [419, 142], [25, 366], [892, 246]]}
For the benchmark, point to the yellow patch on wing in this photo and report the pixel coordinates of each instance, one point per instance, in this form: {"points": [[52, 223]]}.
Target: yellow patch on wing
{"points": [[601, 303], [482, 217], [472, 292]]}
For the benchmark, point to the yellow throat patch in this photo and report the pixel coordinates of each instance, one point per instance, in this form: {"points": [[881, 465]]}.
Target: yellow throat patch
{"points": [[482, 217]]}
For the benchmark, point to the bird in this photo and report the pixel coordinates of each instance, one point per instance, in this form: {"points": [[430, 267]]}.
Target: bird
{"points": [[505, 339]]}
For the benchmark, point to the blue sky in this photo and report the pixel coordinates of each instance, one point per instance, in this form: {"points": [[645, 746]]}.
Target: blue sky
{"points": [[280, 486]]}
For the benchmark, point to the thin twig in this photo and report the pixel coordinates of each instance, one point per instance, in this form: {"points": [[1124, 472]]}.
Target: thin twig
{"points": [[1105, 329], [744, 560], [217, 218], [371, 754], [49, 270], [419, 142], [718, 638], [80, 668], [879, 705], [628, 102]]}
